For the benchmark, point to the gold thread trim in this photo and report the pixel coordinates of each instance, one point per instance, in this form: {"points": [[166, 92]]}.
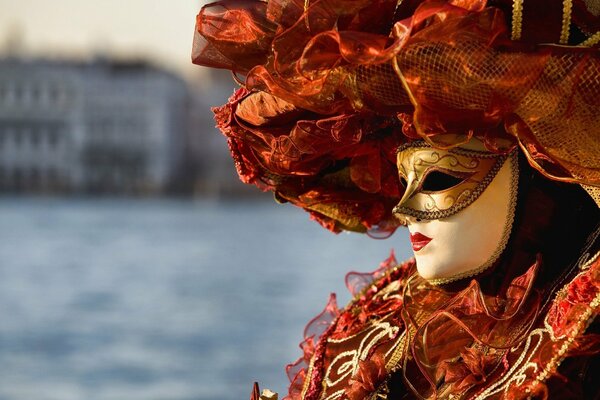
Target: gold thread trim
{"points": [[561, 293], [306, 6], [456, 208], [566, 21], [592, 40], [518, 373], [518, 368], [346, 364], [351, 304], [398, 353], [560, 356], [589, 262], [307, 377], [517, 19], [456, 150], [505, 234], [404, 83]]}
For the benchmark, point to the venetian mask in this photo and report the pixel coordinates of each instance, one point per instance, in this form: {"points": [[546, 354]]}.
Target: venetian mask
{"points": [[458, 205]]}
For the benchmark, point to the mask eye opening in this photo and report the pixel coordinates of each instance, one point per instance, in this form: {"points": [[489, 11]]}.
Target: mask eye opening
{"points": [[438, 180], [403, 181]]}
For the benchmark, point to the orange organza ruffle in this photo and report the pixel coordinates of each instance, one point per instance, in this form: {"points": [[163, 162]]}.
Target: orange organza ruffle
{"points": [[338, 79], [443, 326], [340, 168], [460, 341]]}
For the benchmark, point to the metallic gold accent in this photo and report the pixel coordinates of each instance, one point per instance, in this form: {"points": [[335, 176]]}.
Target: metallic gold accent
{"points": [[309, 372], [350, 305], [404, 85], [417, 159], [335, 396], [505, 234], [524, 364], [517, 19], [398, 352], [345, 364], [516, 372], [381, 393], [560, 294], [589, 262], [566, 21], [592, 40], [593, 6], [582, 324], [306, 22], [594, 192]]}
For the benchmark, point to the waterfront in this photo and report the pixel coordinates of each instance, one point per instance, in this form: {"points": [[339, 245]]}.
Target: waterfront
{"points": [[162, 299]]}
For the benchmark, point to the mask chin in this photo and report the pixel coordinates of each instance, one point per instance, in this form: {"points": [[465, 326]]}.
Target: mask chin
{"points": [[471, 240]]}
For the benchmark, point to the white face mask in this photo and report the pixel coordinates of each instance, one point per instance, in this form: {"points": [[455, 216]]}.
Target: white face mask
{"points": [[459, 207]]}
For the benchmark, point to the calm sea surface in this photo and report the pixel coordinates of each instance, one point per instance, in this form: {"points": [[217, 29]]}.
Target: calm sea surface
{"points": [[163, 299]]}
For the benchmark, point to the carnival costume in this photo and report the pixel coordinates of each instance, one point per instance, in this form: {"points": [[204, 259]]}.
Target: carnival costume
{"points": [[479, 120]]}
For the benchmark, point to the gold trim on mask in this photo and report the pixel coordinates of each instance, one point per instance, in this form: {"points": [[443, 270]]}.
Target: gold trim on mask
{"points": [[417, 160]]}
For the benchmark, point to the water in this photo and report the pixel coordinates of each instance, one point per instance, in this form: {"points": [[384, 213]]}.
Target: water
{"points": [[162, 299]]}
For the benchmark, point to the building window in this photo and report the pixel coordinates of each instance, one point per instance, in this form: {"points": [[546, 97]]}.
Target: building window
{"points": [[17, 135], [53, 137], [35, 138]]}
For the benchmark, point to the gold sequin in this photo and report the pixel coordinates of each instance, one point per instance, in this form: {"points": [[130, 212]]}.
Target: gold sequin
{"points": [[517, 19], [566, 21], [592, 40]]}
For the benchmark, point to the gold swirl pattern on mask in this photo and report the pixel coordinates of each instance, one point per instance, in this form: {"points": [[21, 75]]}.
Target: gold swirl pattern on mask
{"points": [[417, 160]]}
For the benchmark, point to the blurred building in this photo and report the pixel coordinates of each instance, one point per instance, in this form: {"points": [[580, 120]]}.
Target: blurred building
{"points": [[213, 170], [100, 126]]}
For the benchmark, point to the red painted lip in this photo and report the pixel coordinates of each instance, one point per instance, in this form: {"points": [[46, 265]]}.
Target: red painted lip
{"points": [[418, 241]]}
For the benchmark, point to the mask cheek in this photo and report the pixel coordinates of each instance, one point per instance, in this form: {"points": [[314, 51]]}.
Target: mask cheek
{"points": [[469, 241], [439, 255]]}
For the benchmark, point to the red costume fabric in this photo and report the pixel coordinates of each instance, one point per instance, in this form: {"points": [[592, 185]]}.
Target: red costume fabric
{"points": [[331, 89], [402, 337]]}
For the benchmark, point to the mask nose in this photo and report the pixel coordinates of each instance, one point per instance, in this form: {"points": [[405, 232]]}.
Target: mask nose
{"points": [[412, 184]]}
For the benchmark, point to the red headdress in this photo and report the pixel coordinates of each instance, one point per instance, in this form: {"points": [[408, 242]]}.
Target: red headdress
{"points": [[333, 87]]}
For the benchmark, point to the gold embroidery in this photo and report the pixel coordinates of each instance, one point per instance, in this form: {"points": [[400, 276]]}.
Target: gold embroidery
{"points": [[581, 325], [344, 369], [345, 364], [517, 371], [351, 304], [309, 372], [524, 366], [517, 19], [560, 294], [589, 262], [397, 352], [335, 396], [566, 21]]}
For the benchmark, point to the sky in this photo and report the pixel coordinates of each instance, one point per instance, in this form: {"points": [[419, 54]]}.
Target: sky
{"points": [[159, 30]]}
